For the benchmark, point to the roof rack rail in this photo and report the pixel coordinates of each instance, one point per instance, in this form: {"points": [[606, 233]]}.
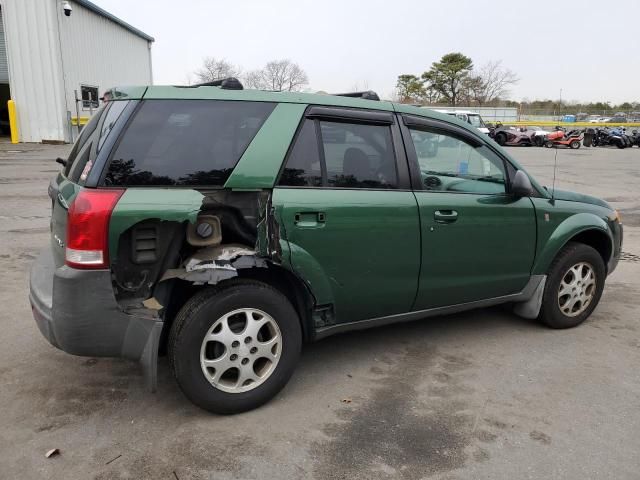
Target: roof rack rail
{"points": [[367, 95], [231, 83]]}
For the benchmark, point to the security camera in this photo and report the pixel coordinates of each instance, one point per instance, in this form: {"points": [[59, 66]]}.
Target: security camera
{"points": [[66, 6]]}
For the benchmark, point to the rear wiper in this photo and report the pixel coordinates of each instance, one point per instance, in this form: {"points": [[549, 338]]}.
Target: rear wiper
{"points": [[61, 161]]}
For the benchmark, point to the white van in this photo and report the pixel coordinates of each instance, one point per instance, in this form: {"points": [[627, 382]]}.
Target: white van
{"points": [[472, 118]]}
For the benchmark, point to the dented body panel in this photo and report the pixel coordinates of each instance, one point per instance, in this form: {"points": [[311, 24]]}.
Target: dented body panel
{"points": [[165, 204], [358, 250]]}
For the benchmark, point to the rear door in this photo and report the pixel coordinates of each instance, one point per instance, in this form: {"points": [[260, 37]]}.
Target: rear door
{"points": [[349, 214], [66, 185], [478, 241]]}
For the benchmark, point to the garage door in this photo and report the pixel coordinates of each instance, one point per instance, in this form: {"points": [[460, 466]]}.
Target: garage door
{"points": [[4, 70]]}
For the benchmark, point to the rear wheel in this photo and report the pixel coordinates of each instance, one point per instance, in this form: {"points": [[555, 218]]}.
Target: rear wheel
{"points": [[501, 139], [548, 144], [574, 286], [575, 144], [233, 348], [620, 143]]}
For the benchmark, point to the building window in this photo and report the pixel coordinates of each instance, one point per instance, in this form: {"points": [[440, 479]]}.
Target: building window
{"points": [[89, 97]]}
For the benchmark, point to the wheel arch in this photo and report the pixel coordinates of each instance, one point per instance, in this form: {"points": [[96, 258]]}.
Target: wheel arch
{"points": [[179, 291], [585, 228]]}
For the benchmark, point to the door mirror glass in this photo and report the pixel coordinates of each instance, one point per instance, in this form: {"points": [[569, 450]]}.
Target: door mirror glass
{"points": [[521, 185]]}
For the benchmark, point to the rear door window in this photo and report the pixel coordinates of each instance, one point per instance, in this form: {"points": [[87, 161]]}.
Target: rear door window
{"points": [[185, 142], [349, 155]]}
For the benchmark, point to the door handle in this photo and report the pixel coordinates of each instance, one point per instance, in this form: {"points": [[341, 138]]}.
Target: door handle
{"points": [[445, 216], [309, 219]]}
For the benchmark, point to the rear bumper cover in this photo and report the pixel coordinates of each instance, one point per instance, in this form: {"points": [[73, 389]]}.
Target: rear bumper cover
{"points": [[76, 311]]}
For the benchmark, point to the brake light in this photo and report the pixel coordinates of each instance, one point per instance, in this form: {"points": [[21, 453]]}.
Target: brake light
{"points": [[88, 228]]}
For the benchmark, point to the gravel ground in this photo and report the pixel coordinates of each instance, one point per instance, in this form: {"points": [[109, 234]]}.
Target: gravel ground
{"points": [[482, 394]]}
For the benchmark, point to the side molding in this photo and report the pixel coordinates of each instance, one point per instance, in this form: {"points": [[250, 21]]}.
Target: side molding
{"points": [[526, 294]]}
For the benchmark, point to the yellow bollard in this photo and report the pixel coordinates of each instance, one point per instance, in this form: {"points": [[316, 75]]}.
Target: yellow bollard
{"points": [[13, 121]]}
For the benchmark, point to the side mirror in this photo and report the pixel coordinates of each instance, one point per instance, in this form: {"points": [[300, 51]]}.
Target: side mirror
{"points": [[521, 185]]}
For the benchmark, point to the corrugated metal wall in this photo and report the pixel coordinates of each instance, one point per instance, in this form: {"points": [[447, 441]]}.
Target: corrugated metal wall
{"points": [[4, 68], [51, 55], [98, 52], [35, 72]]}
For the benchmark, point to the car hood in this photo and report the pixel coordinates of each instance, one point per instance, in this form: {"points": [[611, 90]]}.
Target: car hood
{"points": [[580, 197]]}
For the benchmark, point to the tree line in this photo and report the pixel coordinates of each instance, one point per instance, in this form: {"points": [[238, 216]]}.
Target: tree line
{"points": [[455, 80], [276, 75]]}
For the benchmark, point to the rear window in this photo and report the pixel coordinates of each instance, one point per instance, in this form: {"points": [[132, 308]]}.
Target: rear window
{"points": [[185, 142]]}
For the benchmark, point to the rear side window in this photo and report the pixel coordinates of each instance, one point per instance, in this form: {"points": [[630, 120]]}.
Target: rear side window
{"points": [[349, 155], [83, 142], [185, 142]]}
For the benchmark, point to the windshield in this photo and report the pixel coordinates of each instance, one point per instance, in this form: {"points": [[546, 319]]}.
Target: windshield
{"points": [[476, 120]]}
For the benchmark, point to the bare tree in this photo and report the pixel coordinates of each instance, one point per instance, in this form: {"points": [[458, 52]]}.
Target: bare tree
{"points": [[491, 82], [214, 69], [278, 75]]}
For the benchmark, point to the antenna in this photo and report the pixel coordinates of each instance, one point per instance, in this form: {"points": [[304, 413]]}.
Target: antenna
{"points": [[555, 167]]}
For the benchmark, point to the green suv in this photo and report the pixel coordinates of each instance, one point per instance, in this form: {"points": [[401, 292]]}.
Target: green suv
{"points": [[227, 227]]}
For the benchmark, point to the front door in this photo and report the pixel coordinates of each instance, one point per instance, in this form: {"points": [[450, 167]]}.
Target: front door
{"points": [[349, 215], [478, 241]]}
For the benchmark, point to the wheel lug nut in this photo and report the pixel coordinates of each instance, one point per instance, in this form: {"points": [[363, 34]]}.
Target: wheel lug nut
{"points": [[235, 344], [245, 361], [253, 350], [247, 340], [233, 357]]}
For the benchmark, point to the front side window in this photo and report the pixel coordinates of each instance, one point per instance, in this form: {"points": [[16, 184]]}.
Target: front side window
{"points": [[448, 164], [185, 142], [349, 155]]}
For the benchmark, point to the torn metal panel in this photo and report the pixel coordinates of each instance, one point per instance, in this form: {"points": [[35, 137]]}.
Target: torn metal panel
{"points": [[215, 264], [140, 204]]}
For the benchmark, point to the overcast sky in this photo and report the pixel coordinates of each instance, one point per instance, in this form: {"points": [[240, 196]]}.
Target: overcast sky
{"points": [[587, 48]]}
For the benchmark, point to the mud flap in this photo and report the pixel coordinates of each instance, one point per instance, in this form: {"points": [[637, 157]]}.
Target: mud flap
{"points": [[149, 357], [531, 308]]}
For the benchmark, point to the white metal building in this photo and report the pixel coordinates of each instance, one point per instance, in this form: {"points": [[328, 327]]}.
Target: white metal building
{"points": [[47, 56]]}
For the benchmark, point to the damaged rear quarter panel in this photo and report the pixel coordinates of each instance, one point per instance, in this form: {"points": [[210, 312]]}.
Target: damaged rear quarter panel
{"points": [[138, 204]]}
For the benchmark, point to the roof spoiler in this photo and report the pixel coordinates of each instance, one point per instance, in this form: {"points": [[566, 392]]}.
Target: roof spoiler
{"points": [[230, 83], [367, 95]]}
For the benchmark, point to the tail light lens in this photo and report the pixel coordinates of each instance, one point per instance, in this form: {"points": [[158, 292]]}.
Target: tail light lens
{"points": [[88, 228]]}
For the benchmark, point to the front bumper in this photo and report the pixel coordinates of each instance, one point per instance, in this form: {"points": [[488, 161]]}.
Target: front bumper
{"points": [[76, 311]]}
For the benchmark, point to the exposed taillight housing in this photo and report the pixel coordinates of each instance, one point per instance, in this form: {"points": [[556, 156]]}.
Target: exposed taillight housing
{"points": [[88, 228]]}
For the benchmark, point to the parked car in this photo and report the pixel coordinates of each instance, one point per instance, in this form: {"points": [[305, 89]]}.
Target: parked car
{"points": [[472, 118], [227, 227]]}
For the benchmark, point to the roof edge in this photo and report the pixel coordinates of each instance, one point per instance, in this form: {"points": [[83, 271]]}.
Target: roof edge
{"points": [[103, 13]]}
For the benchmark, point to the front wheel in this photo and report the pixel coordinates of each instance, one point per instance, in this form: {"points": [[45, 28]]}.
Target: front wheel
{"points": [[574, 286], [575, 144], [234, 347], [548, 144], [501, 139]]}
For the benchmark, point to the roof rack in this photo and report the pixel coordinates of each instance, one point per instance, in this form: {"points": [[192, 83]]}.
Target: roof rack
{"points": [[367, 95], [231, 83]]}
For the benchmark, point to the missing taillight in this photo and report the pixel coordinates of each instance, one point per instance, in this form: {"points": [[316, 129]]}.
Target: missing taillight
{"points": [[88, 228]]}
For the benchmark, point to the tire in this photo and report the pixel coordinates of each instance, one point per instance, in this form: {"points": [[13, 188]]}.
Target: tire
{"points": [[501, 139], [557, 310], [188, 350], [575, 144], [548, 144], [620, 144]]}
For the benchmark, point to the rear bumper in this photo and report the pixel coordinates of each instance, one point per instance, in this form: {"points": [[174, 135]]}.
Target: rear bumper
{"points": [[76, 311]]}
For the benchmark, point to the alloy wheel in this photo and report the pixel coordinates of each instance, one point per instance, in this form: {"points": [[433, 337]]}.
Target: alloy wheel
{"points": [[241, 350], [577, 289]]}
